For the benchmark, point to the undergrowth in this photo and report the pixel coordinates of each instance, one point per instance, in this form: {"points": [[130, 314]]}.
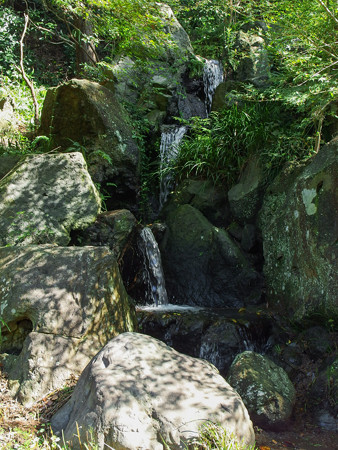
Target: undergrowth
{"points": [[218, 147]]}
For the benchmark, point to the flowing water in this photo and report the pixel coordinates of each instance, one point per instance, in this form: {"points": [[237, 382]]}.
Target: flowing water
{"points": [[170, 141], [212, 77], [156, 293]]}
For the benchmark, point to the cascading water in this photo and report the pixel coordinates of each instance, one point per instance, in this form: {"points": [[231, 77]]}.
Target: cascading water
{"points": [[170, 141], [156, 293], [212, 77]]}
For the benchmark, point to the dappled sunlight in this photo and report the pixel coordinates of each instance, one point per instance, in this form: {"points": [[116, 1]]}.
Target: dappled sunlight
{"points": [[144, 389], [75, 301]]}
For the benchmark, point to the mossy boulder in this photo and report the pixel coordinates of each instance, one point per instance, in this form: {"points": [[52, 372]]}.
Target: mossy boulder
{"points": [[299, 228], [84, 115], [46, 197], [203, 266], [60, 305], [265, 389]]}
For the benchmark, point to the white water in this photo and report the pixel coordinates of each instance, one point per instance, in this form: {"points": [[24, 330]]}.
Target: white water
{"points": [[170, 141], [212, 77], [170, 308], [154, 278]]}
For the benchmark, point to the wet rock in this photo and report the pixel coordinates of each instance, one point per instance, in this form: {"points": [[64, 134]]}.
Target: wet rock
{"points": [[203, 266], [141, 393], [265, 389], [323, 398], [61, 305], [45, 198], [299, 229]]}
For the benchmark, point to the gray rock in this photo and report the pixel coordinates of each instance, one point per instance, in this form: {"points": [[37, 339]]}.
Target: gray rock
{"points": [[299, 228], [246, 197], [265, 389], [139, 393], [83, 114], [61, 305], [203, 266], [45, 198]]}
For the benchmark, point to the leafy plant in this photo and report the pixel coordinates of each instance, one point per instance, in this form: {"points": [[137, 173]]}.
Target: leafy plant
{"points": [[213, 436], [218, 147]]}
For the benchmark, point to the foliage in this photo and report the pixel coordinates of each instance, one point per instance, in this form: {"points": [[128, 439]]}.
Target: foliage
{"points": [[128, 27], [212, 436], [218, 147]]}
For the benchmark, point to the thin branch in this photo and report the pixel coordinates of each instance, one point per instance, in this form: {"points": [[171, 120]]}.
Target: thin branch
{"points": [[317, 73], [329, 12], [24, 76]]}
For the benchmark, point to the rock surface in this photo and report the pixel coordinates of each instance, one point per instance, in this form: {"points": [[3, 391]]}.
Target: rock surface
{"points": [[265, 389], [203, 266], [82, 113], [299, 228], [246, 197], [113, 229], [139, 393], [45, 198], [61, 304]]}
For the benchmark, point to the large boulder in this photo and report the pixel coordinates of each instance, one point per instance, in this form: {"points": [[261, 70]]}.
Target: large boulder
{"points": [[265, 388], [139, 393], [203, 266], [299, 229], [59, 306], [83, 114], [45, 198]]}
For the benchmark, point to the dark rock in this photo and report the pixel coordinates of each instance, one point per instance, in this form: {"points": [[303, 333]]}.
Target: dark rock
{"points": [[203, 266]]}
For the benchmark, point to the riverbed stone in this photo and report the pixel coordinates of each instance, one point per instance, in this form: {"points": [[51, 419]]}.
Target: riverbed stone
{"points": [[299, 229], [203, 266], [46, 197], [265, 388], [59, 306], [140, 393]]}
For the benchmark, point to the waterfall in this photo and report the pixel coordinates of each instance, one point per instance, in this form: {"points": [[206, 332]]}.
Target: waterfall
{"points": [[212, 77], [170, 141], [156, 292]]}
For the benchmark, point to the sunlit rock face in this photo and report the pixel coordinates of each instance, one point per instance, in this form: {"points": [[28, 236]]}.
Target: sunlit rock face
{"points": [[45, 198], [299, 228], [139, 393], [60, 306]]}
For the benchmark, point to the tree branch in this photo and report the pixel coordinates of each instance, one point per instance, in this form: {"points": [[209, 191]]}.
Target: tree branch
{"points": [[329, 12], [24, 76]]}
